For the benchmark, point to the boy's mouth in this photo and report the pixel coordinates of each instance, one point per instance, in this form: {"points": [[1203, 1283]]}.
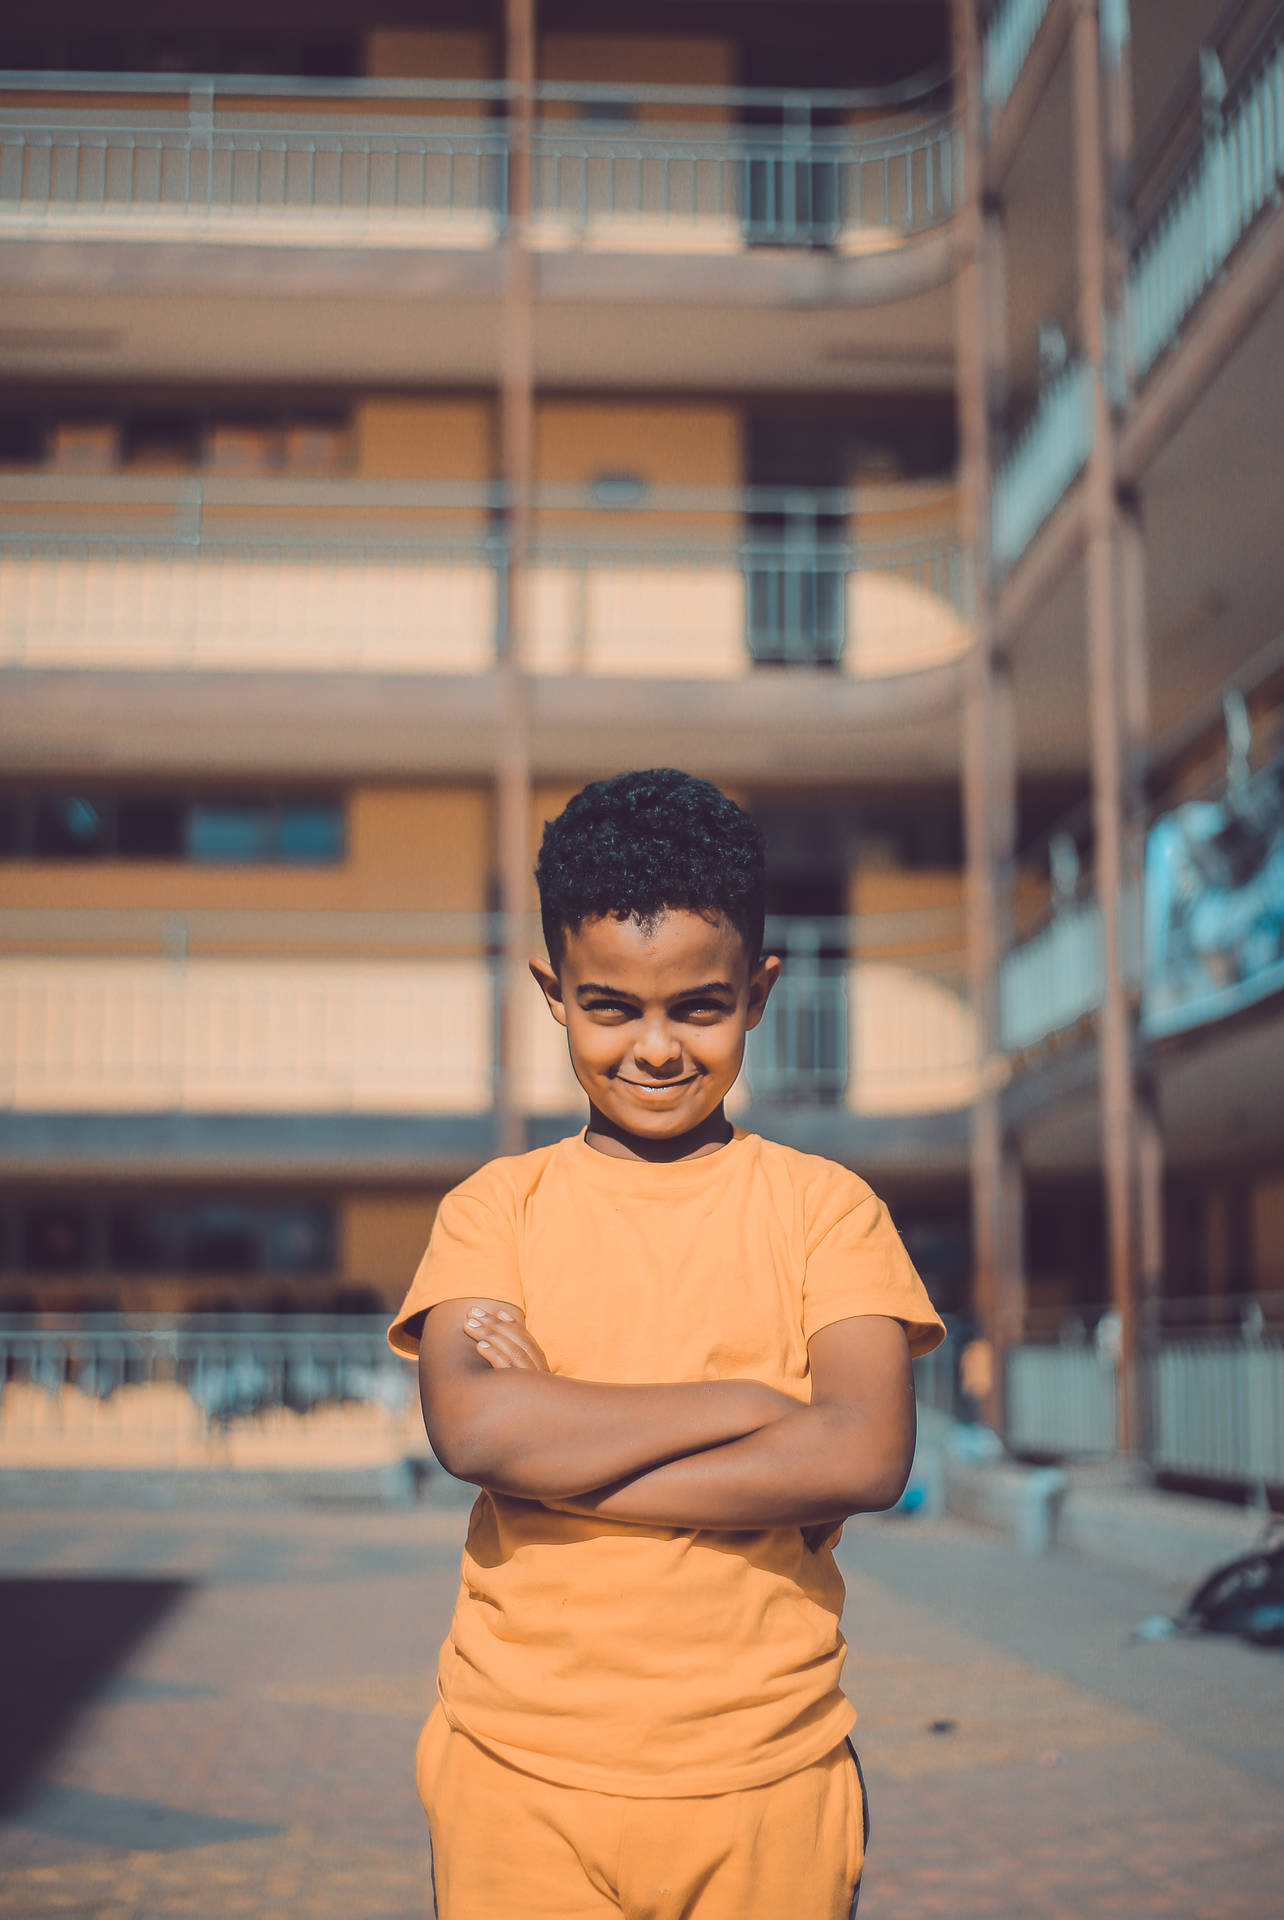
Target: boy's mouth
{"points": [[658, 1086]]}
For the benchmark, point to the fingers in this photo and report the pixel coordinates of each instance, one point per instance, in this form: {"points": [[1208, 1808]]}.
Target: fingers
{"points": [[502, 1340]]}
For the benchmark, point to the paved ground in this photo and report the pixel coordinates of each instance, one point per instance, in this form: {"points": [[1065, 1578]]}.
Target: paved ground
{"points": [[213, 1713]]}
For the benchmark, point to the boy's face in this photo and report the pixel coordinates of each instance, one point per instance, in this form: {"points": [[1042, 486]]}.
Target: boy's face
{"points": [[656, 1020]]}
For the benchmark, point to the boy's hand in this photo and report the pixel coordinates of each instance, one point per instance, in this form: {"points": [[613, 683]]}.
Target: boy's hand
{"points": [[502, 1339]]}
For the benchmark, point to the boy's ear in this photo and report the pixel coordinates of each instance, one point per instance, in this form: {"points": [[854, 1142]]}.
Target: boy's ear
{"points": [[761, 981], [551, 988]]}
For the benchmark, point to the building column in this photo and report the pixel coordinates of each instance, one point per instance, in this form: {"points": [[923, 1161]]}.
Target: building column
{"points": [[513, 811], [1100, 134], [988, 734]]}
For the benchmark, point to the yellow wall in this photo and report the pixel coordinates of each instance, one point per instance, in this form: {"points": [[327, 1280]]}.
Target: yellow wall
{"points": [[896, 890], [405, 439], [608, 58], [666, 445], [382, 1239], [423, 53], [420, 848]]}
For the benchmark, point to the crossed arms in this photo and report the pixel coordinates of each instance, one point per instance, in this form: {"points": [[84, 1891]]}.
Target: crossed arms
{"points": [[710, 1454]]}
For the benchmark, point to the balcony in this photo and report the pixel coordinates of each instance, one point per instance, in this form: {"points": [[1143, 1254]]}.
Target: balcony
{"points": [[1203, 942], [229, 576], [1212, 1392], [1010, 33], [126, 1013], [1229, 177], [405, 163], [1048, 457]]}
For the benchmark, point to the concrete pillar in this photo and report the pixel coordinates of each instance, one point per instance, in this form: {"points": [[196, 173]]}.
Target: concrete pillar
{"points": [[1099, 129], [989, 759], [517, 461]]}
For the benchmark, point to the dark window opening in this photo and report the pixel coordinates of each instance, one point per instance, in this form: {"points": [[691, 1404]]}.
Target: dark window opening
{"points": [[224, 1239], [71, 827], [55, 1239], [149, 827], [140, 1239]]}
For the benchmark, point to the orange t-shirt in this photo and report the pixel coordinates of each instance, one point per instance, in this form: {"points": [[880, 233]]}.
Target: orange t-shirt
{"points": [[643, 1660]]}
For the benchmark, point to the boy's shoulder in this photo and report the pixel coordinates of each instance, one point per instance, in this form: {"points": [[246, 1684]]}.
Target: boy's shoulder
{"points": [[812, 1173]]}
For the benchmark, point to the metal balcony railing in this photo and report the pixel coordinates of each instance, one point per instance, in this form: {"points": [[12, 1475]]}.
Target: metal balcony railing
{"points": [[248, 1390], [110, 1012], [1053, 979], [1011, 31], [317, 576], [252, 1391], [1045, 461], [1233, 175], [424, 162], [1212, 1393]]}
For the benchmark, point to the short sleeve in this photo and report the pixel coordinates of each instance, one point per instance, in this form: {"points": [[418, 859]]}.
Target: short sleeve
{"points": [[472, 1250], [857, 1264]]}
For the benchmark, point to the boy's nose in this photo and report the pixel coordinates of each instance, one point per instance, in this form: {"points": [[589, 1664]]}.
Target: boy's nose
{"points": [[659, 1051]]}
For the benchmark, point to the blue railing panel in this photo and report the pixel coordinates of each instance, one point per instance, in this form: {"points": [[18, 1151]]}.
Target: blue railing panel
{"points": [[1012, 31], [1234, 175], [1046, 460]]}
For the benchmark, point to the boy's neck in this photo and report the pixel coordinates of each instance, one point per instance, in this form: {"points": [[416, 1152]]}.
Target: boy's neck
{"points": [[606, 1137]]}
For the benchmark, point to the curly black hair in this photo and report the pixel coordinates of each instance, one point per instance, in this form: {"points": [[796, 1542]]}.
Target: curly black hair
{"points": [[641, 844]]}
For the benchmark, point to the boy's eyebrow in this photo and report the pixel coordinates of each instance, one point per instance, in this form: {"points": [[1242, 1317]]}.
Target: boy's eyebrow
{"points": [[590, 988]]}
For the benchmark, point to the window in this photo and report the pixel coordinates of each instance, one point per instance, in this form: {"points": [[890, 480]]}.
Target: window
{"points": [[250, 831], [149, 827], [258, 833], [55, 1238], [141, 1239], [71, 827]]}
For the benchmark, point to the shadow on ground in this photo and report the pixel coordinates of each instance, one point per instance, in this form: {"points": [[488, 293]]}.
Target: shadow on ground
{"points": [[61, 1642]]}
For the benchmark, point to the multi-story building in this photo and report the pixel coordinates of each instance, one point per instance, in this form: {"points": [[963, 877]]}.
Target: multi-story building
{"points": [[407, 420]]}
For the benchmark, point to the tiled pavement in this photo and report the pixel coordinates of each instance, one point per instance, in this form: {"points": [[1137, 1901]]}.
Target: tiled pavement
{"points": [[234, 1698]]}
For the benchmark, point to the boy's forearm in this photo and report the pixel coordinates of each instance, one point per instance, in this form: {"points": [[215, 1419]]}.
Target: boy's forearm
{"points": [[815, 1466], [541, 1436]]}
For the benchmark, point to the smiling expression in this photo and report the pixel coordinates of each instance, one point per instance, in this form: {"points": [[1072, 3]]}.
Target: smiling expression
{"points": [[656, 1019]]}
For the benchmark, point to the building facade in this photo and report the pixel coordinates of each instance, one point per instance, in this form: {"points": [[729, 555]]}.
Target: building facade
{"points": [[407, 421]]}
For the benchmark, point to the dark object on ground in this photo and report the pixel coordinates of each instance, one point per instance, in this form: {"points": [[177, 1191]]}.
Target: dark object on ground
{"points": [[1245, 1597]]}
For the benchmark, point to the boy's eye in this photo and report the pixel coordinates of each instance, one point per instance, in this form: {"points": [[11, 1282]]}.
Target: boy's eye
{"points": [[700, 1009], [609, 1006]]}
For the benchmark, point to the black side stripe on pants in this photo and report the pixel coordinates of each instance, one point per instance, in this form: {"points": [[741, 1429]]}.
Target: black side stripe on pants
{"points": [[864, 1805]]}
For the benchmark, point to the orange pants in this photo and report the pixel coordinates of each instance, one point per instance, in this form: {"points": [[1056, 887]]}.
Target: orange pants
{"points": [[507, 1846]]}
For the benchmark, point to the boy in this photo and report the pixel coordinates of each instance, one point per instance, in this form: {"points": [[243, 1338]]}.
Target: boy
{"points": [[675, 1357]]}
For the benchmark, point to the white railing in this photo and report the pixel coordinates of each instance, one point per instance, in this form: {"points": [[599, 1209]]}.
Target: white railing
{"points": [[1234, 175], [1011, 32], [1053, 980], [326, 576], [1060, 1400], [204, 1028], [1213, 1403], [426, 163], [250, 1392], [210, 1026], [1218, 1410], [1049, 456]]}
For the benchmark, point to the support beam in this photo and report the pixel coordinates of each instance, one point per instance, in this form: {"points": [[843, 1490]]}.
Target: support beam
{"points": [[517, 462], [989, 788], [1098, 299]]}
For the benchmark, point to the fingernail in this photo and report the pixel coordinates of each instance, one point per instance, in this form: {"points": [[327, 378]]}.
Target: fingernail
{"points": [[482, 1345], [501, 1315]]}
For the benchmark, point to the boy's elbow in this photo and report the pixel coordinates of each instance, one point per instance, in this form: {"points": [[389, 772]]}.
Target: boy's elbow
{"points": [[876, 1476]]}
